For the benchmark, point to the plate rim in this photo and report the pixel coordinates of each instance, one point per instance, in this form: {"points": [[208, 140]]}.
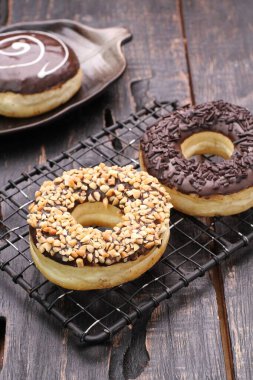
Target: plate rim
{"points": [[125, 36]]}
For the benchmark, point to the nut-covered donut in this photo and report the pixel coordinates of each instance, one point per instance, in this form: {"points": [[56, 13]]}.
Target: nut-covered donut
{"points": [[132, 203], [198, 186]]}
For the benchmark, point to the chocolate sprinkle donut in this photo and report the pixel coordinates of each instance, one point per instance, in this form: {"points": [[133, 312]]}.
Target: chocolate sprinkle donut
{"points": [[163, 158]]}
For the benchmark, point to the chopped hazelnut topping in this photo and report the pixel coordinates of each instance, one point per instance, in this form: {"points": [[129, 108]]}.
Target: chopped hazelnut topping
{"points": [[142, 201]]}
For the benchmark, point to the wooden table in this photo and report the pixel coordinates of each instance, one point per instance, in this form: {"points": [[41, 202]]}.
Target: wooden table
{"points": [[190, 50]]}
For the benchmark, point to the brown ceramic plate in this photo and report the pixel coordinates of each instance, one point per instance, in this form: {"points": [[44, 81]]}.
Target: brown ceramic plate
{"points": [[100, 55]]}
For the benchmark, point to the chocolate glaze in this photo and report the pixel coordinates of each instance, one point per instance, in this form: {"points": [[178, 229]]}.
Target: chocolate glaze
{"points": [[163, 158], [17, 52]]}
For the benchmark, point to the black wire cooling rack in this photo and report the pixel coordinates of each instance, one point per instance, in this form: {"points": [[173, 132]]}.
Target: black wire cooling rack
{"points": [[94, 316]]}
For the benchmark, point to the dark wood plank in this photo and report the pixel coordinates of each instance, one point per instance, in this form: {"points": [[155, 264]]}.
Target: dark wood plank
{"points": [[3, 12], [182, 335], [219, 37], [220, 44], [172, 343]]}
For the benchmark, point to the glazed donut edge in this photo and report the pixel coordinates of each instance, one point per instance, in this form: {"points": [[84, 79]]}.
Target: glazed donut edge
{"points": [[28, 105], [97, 277], [213, 205]]}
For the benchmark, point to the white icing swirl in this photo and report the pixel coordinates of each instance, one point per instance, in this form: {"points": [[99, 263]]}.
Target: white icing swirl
{"points": [[21, 48]]}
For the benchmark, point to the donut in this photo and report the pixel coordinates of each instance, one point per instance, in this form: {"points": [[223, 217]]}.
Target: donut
{"points": [[74, 255], [38, 72], [197, 185]]}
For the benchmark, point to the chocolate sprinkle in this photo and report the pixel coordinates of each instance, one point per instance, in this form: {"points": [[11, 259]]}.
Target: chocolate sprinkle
{"points": [[163, 158]]}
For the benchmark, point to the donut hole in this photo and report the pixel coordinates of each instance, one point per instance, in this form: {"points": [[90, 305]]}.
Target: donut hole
{"points": [[96, 214], [202, 143]]}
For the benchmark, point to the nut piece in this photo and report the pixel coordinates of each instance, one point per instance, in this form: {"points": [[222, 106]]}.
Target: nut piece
{"points": [[136, 193], [79, 263], [106, 235], [105, 202], [104, 188], [96, 195]]}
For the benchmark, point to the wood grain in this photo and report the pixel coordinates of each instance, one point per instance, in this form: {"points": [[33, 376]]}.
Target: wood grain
{"points": [[219, 35], [182, 335], [2, 340], [3, 12], [181, 339]]}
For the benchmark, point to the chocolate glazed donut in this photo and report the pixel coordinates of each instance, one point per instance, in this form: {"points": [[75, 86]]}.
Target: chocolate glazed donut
{"points": [[201, 187], [38, 72]]}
